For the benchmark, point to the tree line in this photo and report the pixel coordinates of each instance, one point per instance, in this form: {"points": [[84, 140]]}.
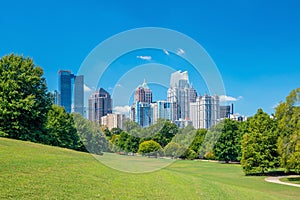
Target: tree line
{"points": [[260, 144]]}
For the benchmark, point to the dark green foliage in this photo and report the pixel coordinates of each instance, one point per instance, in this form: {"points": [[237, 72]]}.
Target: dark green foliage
{"points": [[91, 137], [166, 133], [122, 140], [288, 118], [198, 140], [228, 146], [259, 149], [61, 129], [132, 144], [24, 100]]}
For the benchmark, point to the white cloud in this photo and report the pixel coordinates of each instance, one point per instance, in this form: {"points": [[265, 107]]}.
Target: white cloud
{"points": [[122, 109], [148, 58], [224, 98], [86, 88], [166, 52], [180, 51]]}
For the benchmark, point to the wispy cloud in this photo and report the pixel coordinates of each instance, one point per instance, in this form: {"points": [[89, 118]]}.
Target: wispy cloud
{"points": [[224, 98], [180, 52], [166, 52], [148, 58], [86, 88], [122, 109], [119, 85]]}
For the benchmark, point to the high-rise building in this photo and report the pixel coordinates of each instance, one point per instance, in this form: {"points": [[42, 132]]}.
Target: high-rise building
{"points": [[65, 89], [179, 93], [162, 110], [56, 97], [143, 93], [70, 84], [100, 104], [140, 112], [205, 112], [193, 94], [226, 111], [79, 94]]}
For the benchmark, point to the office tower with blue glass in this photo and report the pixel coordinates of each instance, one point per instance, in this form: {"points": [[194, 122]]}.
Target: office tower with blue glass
{"points": [[71, 91]]}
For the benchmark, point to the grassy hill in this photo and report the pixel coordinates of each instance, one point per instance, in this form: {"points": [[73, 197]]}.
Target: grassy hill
{"points": [[35, 171]]}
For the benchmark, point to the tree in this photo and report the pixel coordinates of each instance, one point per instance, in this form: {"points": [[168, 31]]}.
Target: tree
{"points": [[188, 154], [173, 150], [211, 138], [24, 100], [91, 137], [228, 146], [132, 144], [259, 144], [122, 141], [288, 118], [198, 140], [166, 133], [150, 148], [61, 129]]}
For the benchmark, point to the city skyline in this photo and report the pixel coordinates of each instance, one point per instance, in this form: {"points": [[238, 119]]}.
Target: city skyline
{"points": [[255, 45]]}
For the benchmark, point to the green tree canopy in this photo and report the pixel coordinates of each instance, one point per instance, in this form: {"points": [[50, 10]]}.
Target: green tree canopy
{"points": [[288, 118], [61, 129], [228, 146], [149, 147], [91, 137], [259, 144], [198, 140], [24, 100], [173, 150]]}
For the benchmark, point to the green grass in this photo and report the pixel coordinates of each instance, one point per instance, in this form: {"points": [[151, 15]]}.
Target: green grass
{"points": [[35, 171], [295, 180]]}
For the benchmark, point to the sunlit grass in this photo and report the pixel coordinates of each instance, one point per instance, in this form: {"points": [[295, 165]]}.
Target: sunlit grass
{"points": [[34, 171]]}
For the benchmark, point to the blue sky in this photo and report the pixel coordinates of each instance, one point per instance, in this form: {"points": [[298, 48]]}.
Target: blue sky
{"points": [[255, 44]]}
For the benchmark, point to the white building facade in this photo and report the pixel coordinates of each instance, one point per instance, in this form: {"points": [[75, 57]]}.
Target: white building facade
{"points": [[205, 112]]}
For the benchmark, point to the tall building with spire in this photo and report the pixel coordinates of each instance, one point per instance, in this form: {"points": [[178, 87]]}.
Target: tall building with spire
{"points": [[140, 111], [143, 93], [179, 94]]}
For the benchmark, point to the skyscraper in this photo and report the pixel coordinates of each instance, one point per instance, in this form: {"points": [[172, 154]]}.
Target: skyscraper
{"points": [[100, 104], [179, 93], [193, 94], [140, 111], [79, 94], [65, 89], [143, 93], [205, 112], [162, 110], [66, 81]]}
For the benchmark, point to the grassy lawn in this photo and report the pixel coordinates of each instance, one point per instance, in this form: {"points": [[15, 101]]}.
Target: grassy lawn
{"points": [[34, 171], [295, 180]]}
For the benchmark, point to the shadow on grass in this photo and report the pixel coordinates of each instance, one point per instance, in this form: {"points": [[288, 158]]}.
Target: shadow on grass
{"points": [[273, 173], [294, 179]]}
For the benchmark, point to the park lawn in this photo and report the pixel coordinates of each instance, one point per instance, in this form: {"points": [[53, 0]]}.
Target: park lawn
{"points": [[295, 180], [35, 171]]}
